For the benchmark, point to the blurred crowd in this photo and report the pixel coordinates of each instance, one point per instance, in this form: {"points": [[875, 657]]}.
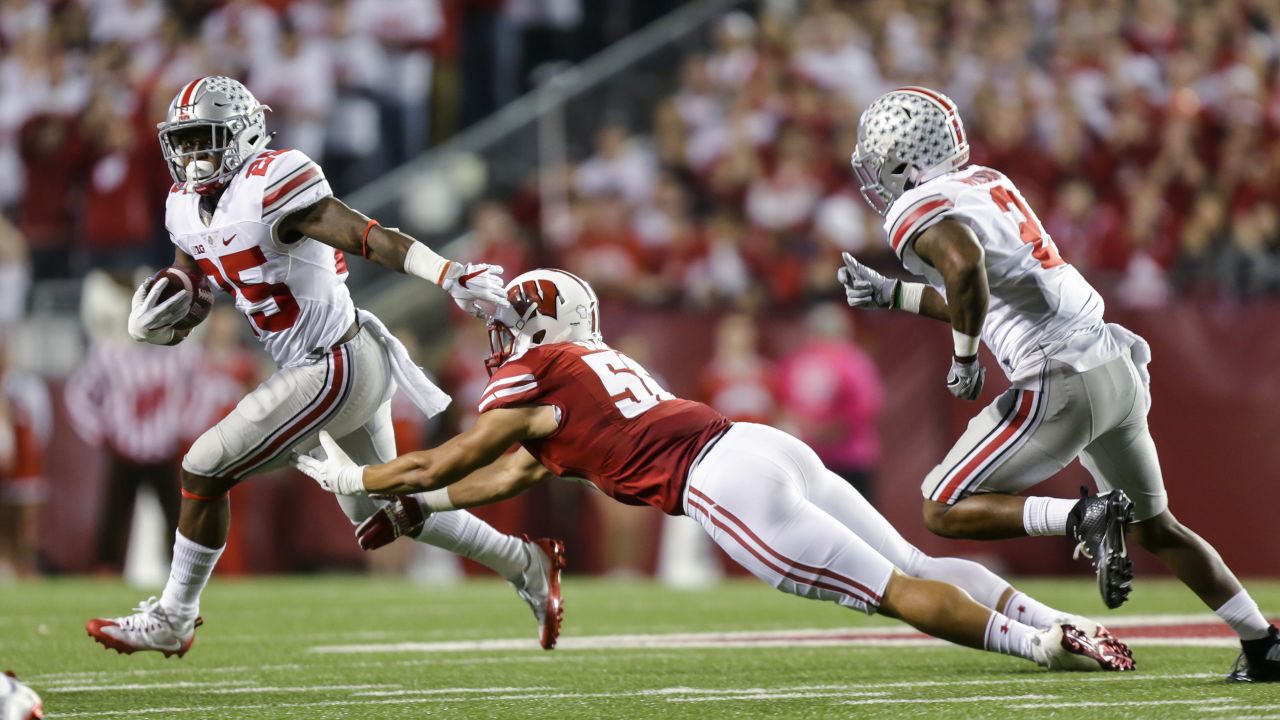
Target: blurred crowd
{"points": [[1145, 133], [359, 85]]}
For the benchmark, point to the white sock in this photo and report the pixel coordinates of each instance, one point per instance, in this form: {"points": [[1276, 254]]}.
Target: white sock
{"points": [[982, 585], [1029, 611], [1243, 615], [188, 574], [1009, 637], [1046, 516], [461, 532]]}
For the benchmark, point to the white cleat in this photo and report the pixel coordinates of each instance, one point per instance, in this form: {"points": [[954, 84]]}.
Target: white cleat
{"points": [[1063, 647], [149, 628], [540, 587]]}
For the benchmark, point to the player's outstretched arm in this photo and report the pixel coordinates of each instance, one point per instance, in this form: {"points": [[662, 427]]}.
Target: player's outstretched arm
{"points": [[954, 251], [333, 223], [494, 432], [500, 480]]}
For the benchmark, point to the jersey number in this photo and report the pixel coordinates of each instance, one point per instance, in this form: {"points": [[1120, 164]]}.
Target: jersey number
{"points": [[1042, 247], [259, 165], [286, 311], [632, 389]]}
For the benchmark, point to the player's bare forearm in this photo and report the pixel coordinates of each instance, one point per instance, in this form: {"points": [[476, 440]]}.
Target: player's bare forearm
{"points": [[505, 478], [334, 223], [952, 249], [461, 455]]}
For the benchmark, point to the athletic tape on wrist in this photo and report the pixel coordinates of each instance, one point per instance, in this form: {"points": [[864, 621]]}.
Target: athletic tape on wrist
{"points": [[911, 295], [437, 500], [965, 345], [423, 262]]}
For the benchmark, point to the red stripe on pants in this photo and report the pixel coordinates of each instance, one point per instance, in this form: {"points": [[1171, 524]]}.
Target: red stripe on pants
{"points": [[799, 566], [1025, 401]]}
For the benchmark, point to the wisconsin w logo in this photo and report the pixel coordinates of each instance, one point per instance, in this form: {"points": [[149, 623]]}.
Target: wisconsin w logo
{"points": [[535, 293]]}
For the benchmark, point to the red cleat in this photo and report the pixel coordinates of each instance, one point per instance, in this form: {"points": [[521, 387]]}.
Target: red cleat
{"points": [[541, 588]]}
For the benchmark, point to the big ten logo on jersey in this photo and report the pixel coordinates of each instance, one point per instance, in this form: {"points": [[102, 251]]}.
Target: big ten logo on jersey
{"points": [[1030, 231], [271, 306], [631, 387]]}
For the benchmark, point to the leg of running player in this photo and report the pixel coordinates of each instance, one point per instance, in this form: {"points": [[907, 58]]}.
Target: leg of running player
{"points": [[532, 567], [972, 493], [1126, 457], [835, 496], [281, 413], [748, 493]]}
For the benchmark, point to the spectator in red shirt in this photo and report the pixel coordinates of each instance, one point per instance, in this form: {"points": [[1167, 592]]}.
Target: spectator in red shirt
{"points": [[738, 379]]}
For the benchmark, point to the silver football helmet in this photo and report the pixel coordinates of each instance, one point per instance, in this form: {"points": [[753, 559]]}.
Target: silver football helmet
{"points": [[213, 125], [907, 137]]}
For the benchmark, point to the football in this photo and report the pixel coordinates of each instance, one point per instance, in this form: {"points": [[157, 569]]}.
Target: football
{"points": [[195, 285]]}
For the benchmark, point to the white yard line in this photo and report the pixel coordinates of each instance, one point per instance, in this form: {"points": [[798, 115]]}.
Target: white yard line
{"points": [[865, 694], [111, 687], [1133, 703], [943, 701]]}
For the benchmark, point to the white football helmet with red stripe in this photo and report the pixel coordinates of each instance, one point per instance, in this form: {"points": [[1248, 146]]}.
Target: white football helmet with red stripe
{"points": [[547, 306], [17, 701], [213, 125], [907, 137]]}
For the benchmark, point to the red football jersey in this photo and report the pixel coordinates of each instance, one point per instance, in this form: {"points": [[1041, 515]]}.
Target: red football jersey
{"points": [[618, 427]]}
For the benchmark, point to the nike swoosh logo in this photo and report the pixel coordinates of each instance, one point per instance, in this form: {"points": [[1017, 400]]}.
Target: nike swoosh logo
{"points": [[1274, 653], [465, 278], [227, 241]]}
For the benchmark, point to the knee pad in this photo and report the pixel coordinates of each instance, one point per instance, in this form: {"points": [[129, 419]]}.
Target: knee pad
{"points": [[206, 455]]}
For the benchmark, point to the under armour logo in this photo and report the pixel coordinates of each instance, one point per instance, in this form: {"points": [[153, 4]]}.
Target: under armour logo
{"points": [[1005, 628], [1022, 609]]}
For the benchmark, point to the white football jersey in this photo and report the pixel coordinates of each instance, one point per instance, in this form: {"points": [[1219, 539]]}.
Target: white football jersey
{"points": [[294, 294], [1040, 308]]}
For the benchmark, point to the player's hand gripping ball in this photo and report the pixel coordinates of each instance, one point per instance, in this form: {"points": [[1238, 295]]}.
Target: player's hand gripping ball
{"points": [[191, 282]]}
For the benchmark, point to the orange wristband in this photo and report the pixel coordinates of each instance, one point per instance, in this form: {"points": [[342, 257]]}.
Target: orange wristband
{"points": [[364, 239]]}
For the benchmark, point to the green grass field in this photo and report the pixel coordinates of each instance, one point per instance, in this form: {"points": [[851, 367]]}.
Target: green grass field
{"points": [[256, 657]]}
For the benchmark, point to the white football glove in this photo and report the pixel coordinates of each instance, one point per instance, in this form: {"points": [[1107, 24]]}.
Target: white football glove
{"points": [[150, 319], [864, 287], [965, 378], [473, 283], [329, 466]]}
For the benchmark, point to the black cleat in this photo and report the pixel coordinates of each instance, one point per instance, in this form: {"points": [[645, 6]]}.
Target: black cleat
{"points": [[1098, 523], [1260, 659]]}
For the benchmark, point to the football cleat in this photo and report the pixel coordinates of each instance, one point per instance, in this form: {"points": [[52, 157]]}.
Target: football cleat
{"points": [[17, 701], [540, 587], [1091, 628], [149, 628], [1064, 647], [1259, 660], [401, 516], [1097, 523]]}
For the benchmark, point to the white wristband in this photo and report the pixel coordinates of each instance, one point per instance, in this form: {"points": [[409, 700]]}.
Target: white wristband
{"points": [[350, 481], [437, 500], [966, 345], [912, 293], [425, 263]]}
